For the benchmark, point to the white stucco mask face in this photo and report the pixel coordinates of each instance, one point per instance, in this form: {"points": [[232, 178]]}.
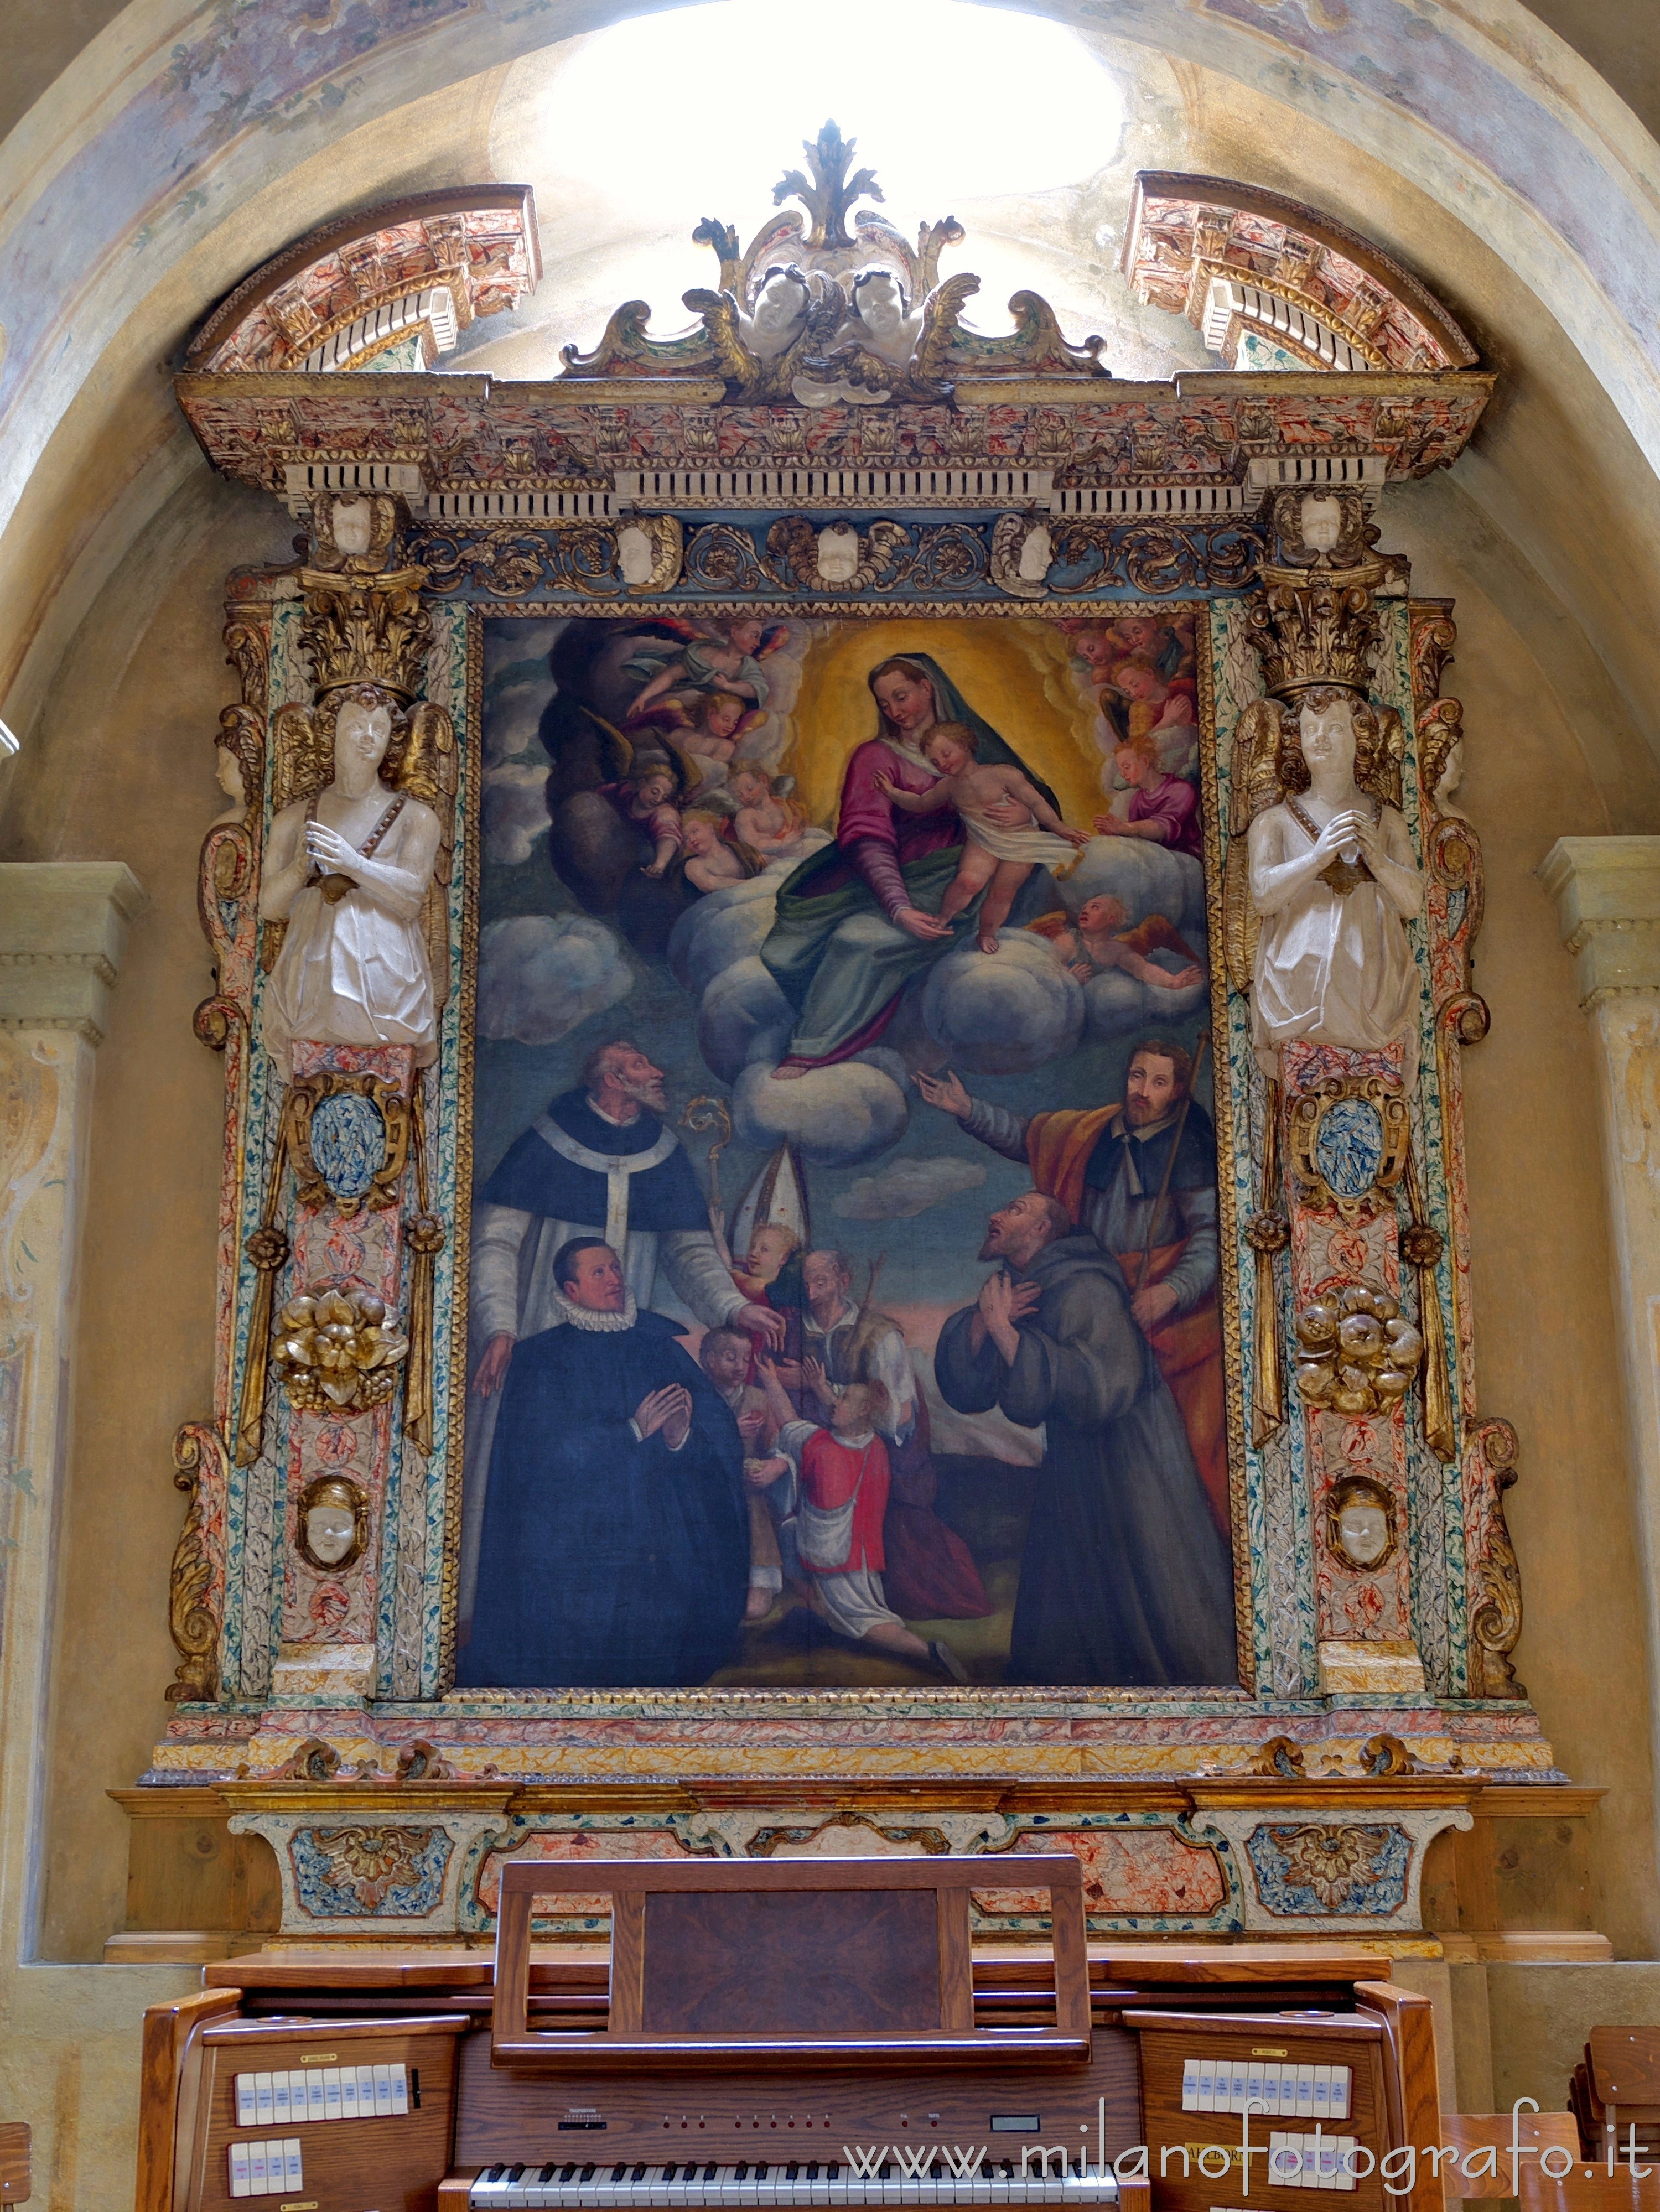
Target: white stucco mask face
{"points": [[1363, 1530], [229, 770], [1321, 524], [354, 525], [1037, 551], [330, 1532], [636, 557], [838, 552]]}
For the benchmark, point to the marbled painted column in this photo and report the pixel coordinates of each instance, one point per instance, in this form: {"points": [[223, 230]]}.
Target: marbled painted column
{"points": [[63, 928], [1608, 899], [349, 1145], [1345, 1138]]}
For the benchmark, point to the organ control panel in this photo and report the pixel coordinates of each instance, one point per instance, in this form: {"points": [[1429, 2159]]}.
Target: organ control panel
{"points": [[748, 2046]]}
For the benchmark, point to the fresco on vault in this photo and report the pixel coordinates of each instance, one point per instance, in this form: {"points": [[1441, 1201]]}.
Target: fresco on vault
{"points": [[843, 1283]]}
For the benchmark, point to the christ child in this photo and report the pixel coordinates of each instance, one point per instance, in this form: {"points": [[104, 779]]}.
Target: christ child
{"points": [[764, 819], [725, 1356], [995, 860], [712, 859], [647, 799], [1099, 940], [843, 1479]]}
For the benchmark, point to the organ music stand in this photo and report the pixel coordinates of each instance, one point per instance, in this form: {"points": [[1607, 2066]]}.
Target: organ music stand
{"points": [[835, 1960]]}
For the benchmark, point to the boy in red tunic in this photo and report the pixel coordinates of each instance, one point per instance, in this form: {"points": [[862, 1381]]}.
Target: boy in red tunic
{"points": [[840, 1478]]}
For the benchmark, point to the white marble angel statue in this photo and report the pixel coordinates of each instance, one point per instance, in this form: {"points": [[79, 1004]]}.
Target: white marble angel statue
{"points": [[1332, 879], [354, 869]]}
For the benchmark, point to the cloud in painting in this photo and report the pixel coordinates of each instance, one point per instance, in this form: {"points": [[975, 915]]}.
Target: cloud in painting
{"points": [[907, 1187], [1148, 878], [837, 1116], [515, 811], [743, 1015], [1003, 1012], [1117, 1004], [540, 975]]}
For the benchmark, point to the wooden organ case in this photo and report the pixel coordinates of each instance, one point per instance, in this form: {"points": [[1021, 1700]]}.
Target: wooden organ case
{"points": [[809, 2031]]}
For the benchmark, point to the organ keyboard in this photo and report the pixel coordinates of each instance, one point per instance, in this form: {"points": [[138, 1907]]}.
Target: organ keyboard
{"points": [[812, 2032]]}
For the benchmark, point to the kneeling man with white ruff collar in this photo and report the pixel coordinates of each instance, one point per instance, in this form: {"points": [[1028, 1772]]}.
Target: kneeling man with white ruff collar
{"points": [[615, 1549]]}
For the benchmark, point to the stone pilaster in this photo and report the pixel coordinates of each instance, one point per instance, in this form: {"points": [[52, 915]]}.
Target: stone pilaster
{"points": [[63, 930], [1608, 901]]}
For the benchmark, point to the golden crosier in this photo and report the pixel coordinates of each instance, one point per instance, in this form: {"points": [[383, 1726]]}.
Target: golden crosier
{"points": [[334, 1352]]}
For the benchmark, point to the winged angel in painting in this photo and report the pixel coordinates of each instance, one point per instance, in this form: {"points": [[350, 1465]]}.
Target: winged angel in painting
{"points": [[359, 854]]}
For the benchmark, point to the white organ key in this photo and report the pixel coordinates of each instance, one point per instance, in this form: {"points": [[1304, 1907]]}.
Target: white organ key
{"points": [[256, 2169], [247, 2106], [382, 2092], [279, 2099], [1254, 2082], [1322, 2093], [239, 2168], [1305, 2093], [1339, 2092], [315, 2108], [1190, 2085], [292, 2163], [262, 2091], [365, 2092], [348, 2093], [331, 2093], [400, 2090]]}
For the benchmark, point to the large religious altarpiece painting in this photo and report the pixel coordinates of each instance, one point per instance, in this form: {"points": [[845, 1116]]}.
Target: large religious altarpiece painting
{"points": [[841, 950]]}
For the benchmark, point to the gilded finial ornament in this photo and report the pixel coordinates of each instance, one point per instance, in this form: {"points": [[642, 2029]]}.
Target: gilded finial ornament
{"points": [[841, 308], [829, 196]]}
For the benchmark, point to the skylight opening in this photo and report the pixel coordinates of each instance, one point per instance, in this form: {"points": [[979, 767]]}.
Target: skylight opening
{"points": [[950, 102]]}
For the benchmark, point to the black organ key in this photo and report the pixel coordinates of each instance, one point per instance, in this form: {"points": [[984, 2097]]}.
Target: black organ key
{"points": [[792, 2172], [812, 2171], [708, 2173]]}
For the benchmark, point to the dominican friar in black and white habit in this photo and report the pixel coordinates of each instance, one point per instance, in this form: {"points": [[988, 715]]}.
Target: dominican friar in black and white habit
{"points": [[600, 1163]]}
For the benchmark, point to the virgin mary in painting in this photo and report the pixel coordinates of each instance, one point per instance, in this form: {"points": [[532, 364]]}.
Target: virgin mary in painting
{"points": [[857, 920]]}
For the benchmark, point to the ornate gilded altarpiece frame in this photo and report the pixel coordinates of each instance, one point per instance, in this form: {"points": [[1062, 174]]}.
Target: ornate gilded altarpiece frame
{"points": [[996, 479]]}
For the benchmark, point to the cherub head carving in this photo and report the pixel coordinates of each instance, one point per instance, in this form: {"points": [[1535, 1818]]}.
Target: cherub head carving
{"points": [[879, 302], [778, 315]]}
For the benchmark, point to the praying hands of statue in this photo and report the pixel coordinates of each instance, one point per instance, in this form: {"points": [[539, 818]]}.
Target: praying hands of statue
{"points": [[1003, 1304], [668, 1409], [330, 850]]}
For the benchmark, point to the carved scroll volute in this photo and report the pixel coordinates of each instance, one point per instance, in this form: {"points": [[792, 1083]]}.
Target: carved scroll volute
{"points": [[1495, 1577], [197, 1590]]}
